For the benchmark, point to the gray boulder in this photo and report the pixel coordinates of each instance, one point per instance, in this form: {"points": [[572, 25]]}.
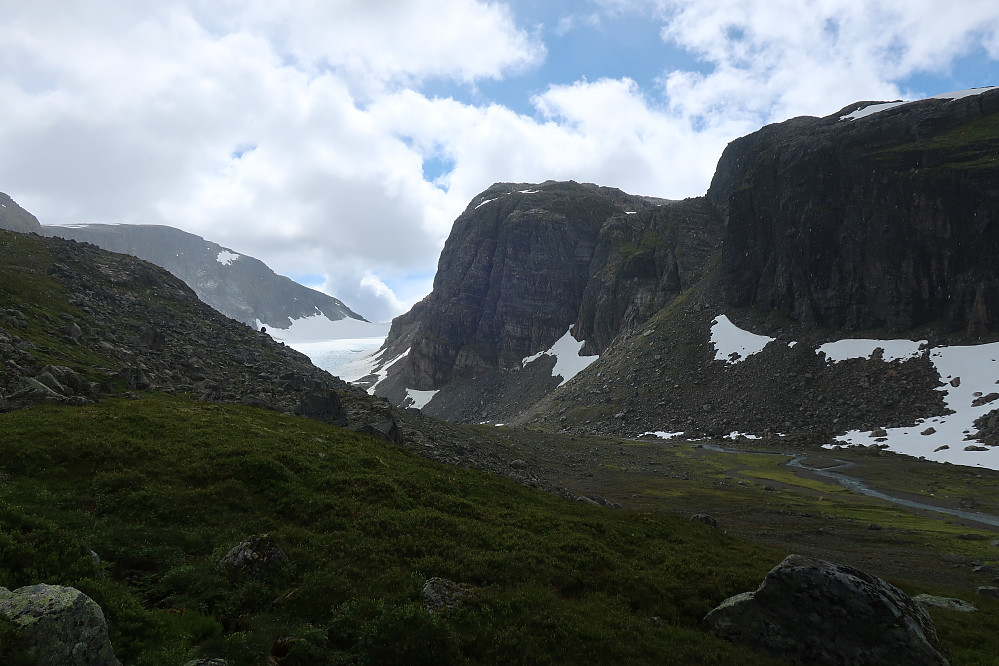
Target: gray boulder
{"points": [[440, 594], [809, 611], [62, 626], [258, 556]]}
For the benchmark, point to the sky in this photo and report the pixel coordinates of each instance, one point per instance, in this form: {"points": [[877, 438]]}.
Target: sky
{"points": [[337, 140]]}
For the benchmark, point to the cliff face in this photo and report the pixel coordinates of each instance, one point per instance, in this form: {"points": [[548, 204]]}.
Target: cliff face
{"points": [[887, 220], [511, 278], [236, 285]]}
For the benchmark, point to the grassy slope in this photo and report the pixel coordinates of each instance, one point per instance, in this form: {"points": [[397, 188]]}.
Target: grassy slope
{"points": [[162, 487]]}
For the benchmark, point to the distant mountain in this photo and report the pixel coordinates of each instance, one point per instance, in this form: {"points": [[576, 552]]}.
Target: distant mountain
{"points": [[15, 218], [236, 285], [878, 222]]}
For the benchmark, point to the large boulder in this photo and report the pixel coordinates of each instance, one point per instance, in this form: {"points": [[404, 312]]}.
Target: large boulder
{"points": [[809, 611], [258, 556], [61, 625]]}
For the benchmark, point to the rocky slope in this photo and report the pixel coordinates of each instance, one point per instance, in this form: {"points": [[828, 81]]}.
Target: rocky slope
{"points": [[236, 285], [813, 230], [82, 322], [15, 218]]}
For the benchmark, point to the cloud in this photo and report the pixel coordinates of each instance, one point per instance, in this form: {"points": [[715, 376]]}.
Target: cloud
{"points": [[298, 132]]}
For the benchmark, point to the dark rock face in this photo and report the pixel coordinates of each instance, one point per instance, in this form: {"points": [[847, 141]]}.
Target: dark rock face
{"points": [[61, 625], [236, 285], [813, 612], [15, 218], [884, 221], [525, 262], [641, 263], [511, 277]]}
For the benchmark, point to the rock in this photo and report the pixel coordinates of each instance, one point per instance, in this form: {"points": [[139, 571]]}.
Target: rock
{"points": [[975, 447], [62, 626], [72, 331], [941, 448], [440, 594], [152, 339], [947, 603], [955, 382], [704, 518], [259, 556], [135, 377], [31, 389], [985, 399], [322, 405], [989, 591], [207, 662], [809, 611], [387, 430], [72, 382], [879, 432], [928, 431]]}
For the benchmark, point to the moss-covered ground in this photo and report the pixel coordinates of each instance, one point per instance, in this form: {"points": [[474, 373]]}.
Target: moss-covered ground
{"points": [[161, 488]]}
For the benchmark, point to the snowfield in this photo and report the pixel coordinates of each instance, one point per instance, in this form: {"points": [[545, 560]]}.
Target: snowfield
{"points": [[732, 344], [871, 109], [568, 362], [967, 374]]}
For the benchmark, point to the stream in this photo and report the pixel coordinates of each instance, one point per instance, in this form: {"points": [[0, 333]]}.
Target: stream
{"points": [[856, 485]]}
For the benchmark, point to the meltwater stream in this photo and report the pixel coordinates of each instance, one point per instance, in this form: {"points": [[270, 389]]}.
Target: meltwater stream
{"points": [[859, 486], [856, 485]]}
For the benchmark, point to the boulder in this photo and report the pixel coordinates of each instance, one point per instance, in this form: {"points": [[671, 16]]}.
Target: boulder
{"points": [[61, 625], [259, 556], [441, 594], [809, 611], [322, 405], [946, 603], [704, 518], [387, 430]]}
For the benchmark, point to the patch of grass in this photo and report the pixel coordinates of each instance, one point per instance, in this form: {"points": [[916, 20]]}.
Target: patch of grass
{"points": [[162, 488]]}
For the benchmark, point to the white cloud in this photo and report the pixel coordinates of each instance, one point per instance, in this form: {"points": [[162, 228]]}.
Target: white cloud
{"points": [[296, 132]]}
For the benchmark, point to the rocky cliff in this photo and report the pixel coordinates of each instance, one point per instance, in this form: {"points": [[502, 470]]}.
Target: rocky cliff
{"points": [[236, 285], [883, 220]]}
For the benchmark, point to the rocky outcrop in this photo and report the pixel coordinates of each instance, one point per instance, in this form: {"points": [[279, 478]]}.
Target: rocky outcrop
{"points": [[236, 285], [813, 612], [15, 218], [890, 220], [440, 594], [61, 625], [511, 277], [643, 262]]}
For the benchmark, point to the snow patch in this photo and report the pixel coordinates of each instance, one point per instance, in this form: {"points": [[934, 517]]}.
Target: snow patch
{"points": [[732, 344], [967, 372], [483, 203], [226, 257], [871, 109], [568, 362], [735, 434], [631, 212], [894, 350], [662, 434], [419, 398], [529, 191]]}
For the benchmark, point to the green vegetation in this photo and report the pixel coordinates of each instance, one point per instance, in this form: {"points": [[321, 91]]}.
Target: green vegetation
{"points": [[969, 146], [162, 488]]}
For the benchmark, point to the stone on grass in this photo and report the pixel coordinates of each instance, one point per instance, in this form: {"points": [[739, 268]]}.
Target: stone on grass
{"points": [[704, 518], [61, 625], [440, 594], [989, 591], [810, 611], [946, 603], [256, 557]]}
